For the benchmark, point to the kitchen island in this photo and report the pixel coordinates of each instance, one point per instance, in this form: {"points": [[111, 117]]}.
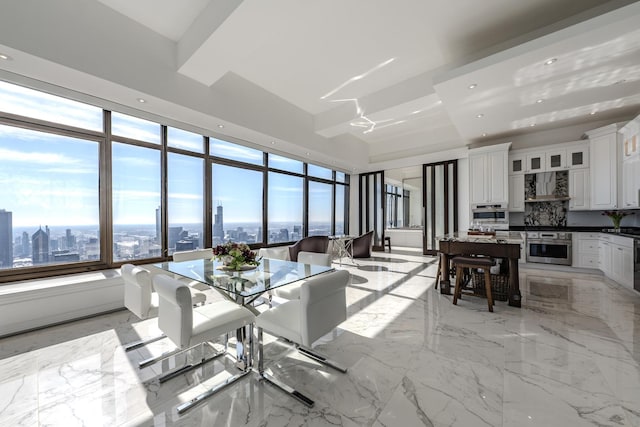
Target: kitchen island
{"points": [[502, 245]]}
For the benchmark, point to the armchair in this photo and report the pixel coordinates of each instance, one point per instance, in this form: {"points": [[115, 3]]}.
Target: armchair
{"points": [[318, 244], [361, 246]]}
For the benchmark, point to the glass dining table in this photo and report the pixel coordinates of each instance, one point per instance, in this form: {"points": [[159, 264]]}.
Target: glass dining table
{"points": [[247, 285], [243, 287]]}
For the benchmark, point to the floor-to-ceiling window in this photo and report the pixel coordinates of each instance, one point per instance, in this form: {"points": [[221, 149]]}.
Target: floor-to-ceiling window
{"points": [[87, 188]]}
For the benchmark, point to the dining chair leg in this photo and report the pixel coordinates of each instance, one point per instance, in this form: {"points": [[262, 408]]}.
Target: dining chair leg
{"points": [[457, 290], [272, 380], [142, 343], [439, 270], [312, 354], [487, 287]]}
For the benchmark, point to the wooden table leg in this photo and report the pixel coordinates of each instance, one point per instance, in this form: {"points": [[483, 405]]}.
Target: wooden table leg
{"points": [[445, 284], [514, 283]]}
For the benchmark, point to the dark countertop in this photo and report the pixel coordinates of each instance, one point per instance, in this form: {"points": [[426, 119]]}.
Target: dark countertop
{"points": [[624, 231]]}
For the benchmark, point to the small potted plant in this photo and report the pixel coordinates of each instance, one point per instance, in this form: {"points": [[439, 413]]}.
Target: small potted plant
{"points": [[235, 256], [616, 218]]}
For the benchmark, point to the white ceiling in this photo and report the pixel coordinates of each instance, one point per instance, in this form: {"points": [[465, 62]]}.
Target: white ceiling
{"points": [[393, 76]]}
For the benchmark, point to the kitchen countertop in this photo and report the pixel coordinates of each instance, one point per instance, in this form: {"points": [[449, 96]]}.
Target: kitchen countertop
{"points": [[501, 237], [625, 231]]}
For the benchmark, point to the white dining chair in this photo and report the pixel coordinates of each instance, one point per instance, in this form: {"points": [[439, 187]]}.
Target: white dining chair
{"points": [[141, 300], [320, 309], [189, 327], [193, 255], [292, 291]]}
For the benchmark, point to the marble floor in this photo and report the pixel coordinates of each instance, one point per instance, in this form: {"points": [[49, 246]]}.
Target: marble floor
{"points": [[569, 357]]}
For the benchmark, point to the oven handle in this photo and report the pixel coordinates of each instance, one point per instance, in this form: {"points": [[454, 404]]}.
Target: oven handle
{"points": [[549, 242]]}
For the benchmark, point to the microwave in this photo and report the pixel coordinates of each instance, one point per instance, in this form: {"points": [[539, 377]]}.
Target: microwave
{"points": [[494, 216]]}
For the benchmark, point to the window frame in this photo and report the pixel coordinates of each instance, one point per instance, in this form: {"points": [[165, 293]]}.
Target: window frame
{"points": [[105, 139]]}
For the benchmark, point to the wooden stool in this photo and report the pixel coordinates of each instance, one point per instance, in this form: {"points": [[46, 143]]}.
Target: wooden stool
{"points": [[461, 262], [387, 242]]}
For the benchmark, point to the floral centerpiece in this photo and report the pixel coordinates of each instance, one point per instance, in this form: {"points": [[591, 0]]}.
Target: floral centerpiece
{"points": [[616, 217], [235, 255]]}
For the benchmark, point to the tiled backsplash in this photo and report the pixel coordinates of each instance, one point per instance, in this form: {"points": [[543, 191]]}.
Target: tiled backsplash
{"points": [[552, 214], [547, 213]]}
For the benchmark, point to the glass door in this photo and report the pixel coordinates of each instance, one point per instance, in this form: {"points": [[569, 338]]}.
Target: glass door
{"points": [[372, 207], [440, 202]]}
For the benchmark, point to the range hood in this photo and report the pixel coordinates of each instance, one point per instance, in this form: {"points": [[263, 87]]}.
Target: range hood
{"points": [[546, 189]]}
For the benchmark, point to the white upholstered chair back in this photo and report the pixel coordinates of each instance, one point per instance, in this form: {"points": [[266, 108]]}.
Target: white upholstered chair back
{"points": [[314, 258], [191, 255], [137, 290], [323, 304], [175, 314]]}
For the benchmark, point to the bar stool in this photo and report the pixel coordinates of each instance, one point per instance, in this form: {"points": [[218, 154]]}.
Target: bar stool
{"points": [[387, 242], [461, 262]]}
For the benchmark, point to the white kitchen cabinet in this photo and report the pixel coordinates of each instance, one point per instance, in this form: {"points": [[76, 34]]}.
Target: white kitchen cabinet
{"points": [[578, 156], [516, 193], [488, 175], [586, 250], [535, 162], [517, 164], [603, 148], [631, 183], [630, 135], [616, 258], [556, 160], [604, 256], [579, 189]]}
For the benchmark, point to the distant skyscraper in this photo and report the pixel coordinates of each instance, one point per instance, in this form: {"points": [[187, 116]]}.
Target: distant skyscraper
{"points": [[71, 239], [40, 246], [175, 234], [26, 247], [218, 227], [6, 239]]}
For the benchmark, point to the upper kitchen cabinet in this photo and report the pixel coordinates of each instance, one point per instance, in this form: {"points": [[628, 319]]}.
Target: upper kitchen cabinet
{"points": [[536, 162], [556, 159], [578, 156], [517, 164], [488, 168], [603, 148], [630, 135]]}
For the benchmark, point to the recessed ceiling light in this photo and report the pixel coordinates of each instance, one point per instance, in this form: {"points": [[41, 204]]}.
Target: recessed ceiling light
{"points": [[539, 101], [221, 126], [439, 101], [307, 153], [473, 85], [479, 116], [142, 100], [592, 113], [5, 57], [532, 124], [550, 61], [484, 134], [273, 143]]}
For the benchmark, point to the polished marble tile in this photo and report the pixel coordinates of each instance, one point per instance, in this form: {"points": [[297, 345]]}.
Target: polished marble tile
{"points": [[569, 357]]}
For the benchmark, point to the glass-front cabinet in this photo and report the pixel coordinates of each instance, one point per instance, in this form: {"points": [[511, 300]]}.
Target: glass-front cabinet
{"points": [[535, 162], [556, 159], [578, 157], [517, 164]]}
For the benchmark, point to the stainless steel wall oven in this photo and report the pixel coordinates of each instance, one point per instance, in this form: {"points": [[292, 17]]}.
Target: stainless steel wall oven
{"points": [[549, 247]]}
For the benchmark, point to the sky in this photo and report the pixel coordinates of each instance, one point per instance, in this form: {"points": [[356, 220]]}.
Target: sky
{"points": [[48, 179]]}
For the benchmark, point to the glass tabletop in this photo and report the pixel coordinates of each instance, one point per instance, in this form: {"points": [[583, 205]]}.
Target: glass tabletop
{"points": [[270, 274]]}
